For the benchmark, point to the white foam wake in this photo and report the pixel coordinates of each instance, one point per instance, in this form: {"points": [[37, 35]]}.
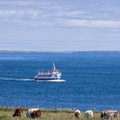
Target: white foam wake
{"points": [[16, 79], [28, 79]]}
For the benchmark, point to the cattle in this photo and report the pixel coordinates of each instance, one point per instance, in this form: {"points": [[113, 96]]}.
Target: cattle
{"points": [[33, 113], [36, 114], [89, 114], [109, 114], [77, 113], [18, 112]]}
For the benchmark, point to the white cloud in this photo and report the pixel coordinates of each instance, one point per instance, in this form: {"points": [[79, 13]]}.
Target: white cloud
{"points": [[89, 23], [37, 18], [70, 14], [37, 10], [29, 4], [19, 14], [45, 13]]}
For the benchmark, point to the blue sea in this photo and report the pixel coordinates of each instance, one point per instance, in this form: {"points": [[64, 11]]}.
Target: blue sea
{"points": [[92, 80]]}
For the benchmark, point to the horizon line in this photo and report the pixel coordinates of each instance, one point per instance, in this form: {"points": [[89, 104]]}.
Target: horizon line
{"points": [[30, 51]]}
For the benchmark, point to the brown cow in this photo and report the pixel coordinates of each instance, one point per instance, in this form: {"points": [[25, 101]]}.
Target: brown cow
{"points": [[36, 114], [18, 112], [33, 113]]}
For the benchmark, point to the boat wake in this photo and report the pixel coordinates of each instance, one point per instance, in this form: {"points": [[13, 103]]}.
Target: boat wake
{"points": [[16, 79], [28, 79]]}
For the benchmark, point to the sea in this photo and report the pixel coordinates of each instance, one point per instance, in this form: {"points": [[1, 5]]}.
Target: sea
{"points": [[91, 80]]}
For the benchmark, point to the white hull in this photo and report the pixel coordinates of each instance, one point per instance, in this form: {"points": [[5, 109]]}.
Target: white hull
{"points": [[50, 80]]}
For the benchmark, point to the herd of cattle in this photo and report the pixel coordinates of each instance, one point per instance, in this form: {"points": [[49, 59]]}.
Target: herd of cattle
{"points": [[31, 113], [107, 114], [36, 113]]}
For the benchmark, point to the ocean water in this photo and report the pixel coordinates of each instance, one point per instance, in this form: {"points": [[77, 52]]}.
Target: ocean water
{"points": [[92, 80]]}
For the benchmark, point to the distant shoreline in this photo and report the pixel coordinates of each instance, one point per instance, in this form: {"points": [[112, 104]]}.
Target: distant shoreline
{"points": [[97, 51]]}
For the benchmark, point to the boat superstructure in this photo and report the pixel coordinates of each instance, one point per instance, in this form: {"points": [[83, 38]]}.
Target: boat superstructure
{"points": [[52, 75]]}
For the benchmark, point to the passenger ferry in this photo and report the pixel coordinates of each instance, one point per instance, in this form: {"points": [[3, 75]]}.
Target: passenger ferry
{"points": [[52, 75]]}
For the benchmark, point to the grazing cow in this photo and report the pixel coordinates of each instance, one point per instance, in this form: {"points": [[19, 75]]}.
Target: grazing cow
{"points": [[109, 114], [33, 113], [36, 114], [77, 113], [89, 114], [18, 112]]}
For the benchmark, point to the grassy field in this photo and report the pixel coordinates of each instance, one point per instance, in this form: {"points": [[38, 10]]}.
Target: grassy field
{"points": [[57, 114]]}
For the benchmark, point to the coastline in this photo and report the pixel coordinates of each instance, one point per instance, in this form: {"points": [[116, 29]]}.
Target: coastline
{"points": [[46, 114], [87, 51]]}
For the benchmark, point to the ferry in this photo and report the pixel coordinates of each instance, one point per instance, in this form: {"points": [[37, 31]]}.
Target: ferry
{"points": [[53, 75]]}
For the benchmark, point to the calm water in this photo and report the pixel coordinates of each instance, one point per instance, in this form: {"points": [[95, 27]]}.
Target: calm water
{"points": [[92, 80]]}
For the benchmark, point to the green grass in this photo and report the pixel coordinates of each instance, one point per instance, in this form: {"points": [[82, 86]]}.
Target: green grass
{"points": [[55, 114]]}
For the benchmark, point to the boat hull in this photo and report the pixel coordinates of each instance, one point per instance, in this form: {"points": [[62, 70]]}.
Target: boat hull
{"points": [[47, 79], [58, 80]]}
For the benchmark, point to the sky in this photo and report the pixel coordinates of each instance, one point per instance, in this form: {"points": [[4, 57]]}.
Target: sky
{"points": [[60, 25]]}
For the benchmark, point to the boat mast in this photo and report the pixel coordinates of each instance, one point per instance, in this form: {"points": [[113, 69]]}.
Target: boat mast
{"points": [[54, 68]]}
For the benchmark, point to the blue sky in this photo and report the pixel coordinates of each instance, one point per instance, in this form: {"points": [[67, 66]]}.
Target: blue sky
{"points": [[60, 25]]}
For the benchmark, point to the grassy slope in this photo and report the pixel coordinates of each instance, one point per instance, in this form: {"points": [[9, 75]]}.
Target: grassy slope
{"points": [[6, 114]]}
